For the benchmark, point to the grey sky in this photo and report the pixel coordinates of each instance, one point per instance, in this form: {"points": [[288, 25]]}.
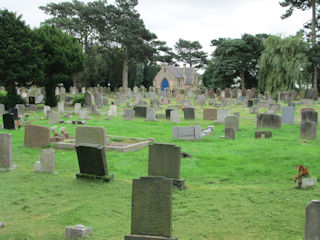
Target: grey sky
{"points": [[201, 20]]}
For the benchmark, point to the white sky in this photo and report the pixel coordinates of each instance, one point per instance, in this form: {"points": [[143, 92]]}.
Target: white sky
{"points": [[201, 20]]}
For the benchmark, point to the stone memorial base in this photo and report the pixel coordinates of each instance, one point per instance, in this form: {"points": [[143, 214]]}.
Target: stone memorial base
{"points": [[143, 237], [179, 183], [308, 182], [95, 177]]}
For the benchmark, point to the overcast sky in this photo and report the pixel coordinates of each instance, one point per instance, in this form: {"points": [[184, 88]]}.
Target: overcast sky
{"points": [[201, 20]]}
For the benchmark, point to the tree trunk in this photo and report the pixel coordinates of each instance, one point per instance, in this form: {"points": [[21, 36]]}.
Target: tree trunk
{"points": [[313, 40], [125, 69], [51, 99], [243, 81], [11, 87]]}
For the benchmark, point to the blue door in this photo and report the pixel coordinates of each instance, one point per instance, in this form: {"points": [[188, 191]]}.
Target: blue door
{"points": [[164, 85]]}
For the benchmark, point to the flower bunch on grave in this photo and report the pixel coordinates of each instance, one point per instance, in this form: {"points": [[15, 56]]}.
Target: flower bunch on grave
{"points": [[303, 172]]}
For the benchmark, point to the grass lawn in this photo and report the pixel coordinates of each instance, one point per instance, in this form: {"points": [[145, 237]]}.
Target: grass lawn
{"points": [[235, 189]]}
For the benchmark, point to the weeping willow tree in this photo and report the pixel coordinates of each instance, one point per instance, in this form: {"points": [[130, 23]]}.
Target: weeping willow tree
{"points": [[284, 64]]}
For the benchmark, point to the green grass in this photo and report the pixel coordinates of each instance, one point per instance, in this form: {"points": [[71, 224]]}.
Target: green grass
{"points": [[236, 189]]}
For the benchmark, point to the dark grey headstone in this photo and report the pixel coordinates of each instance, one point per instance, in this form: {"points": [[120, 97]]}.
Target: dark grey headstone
{"points": [[140, 111], [287, 115], [14, 111], [32, 100], [8, 121], [230, 133], [268, 121], [92, 161], [309, 116], [308, 130], [189, 113], [151, 214], [312, 224], [250, 103], [168, 112]]}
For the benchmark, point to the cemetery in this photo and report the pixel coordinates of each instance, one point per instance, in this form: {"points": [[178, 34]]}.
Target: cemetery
{"points": [[91, 178]]}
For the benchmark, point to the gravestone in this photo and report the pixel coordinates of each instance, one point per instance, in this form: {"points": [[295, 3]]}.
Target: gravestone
{"points": [[61, 107], [77, 231], [187, 133], [46, 109], [47, 161], [180, 98], [262, 134], [8, 121], [92, 162], [90, 135], [94, 110], [155, 103], [174, 116], [222, 113], [309, 116], [151, 213], [140, 111], [32, 107], [268, 121], [164, 160], [275, 107], [312, 223], [2, 109], [151, 114], [98, 100], [77, 108], [39, 99], [6, 161], [168, 113], [84, 114], [32, 100], [20, 109], [210, 114], [287, 115], [54, 117], [230, 133], [189, 114], [36, 136], [250, 103], [112, 111], [254, 110], [308, 130], [232, 122], [308, 182], [14, 111], [88, 98], [307, 102], [128, 114]]}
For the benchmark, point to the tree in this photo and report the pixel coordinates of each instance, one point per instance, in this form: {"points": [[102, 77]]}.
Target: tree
{"points": [[190, 52], [305, 5], [162, 53], [284, 63], [62, 57], [235, 59], [20, 64], [77, 18]]}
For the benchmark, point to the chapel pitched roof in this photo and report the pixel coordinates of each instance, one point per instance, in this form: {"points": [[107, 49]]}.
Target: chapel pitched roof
{"points": [[178, 73]]}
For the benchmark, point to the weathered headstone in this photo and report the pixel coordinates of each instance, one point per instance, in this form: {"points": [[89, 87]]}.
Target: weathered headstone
{"points": [[8, 121], [54, 117], [230, 133], [268, 121], [47, 161], [187, 133], [84, 114], [222, 113], [20, 108], [128, 114], [164, 160], [151, 214], [140, 111], [6, 161], [61, 107], [232, 122], [45, 110], [2, 109], [287, 115], [308, 130], [312, 223], [275, 107], [189, 113], [77, 231], [36, 136], [88, 98], [168, 112], [309, 116], [262, 134], [77, 108], [91, 135], [92, 162], [14, 111], [174, 116], [254, 110], [98, 100], [210, 114], [112, 111], [151, 114]]}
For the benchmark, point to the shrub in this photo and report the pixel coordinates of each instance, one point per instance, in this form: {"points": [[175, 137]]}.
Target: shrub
{"points": [[11, 99], [78, 99]]}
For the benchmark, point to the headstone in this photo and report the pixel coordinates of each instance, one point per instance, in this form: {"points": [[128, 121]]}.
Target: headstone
{"points": [[180, 97], [20, 108], [112, 111], [98, 100], [45, 110], [2, 109], [262, 134], [308, 130], [164, 160], [155, 103], [222, 113], [254, 110], [92, 162], [307, 102], [84, 114], [47, 161], [151, 114], [308, 182], [32, 107], [128, 114], [14, 111], [77, 231], [232, 122], [40, 98], [189, 113], [140, 111], [287, 115], [88, 98], [61, 107], [168, 113], [36, 136], [312, 223], [6, 161], [151, 214], [32, 100], [309, 116], [90, 135], [187, 133], [275, 107], [210, 114], [57, 91], [8, 121], [250, 103], [54, 117], [174, 116], [230, 133], [77, 108], [268, 121], [94, 110]]}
